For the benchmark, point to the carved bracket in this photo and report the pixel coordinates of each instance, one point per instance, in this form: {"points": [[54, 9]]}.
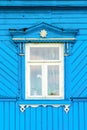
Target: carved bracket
{"points": [[23, 107], [21, 49], [66, 108], [68, 48]]}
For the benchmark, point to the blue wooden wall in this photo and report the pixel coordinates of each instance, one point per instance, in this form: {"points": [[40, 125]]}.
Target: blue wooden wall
{"points": [[48, 118], [9, 83], [9, 66]]}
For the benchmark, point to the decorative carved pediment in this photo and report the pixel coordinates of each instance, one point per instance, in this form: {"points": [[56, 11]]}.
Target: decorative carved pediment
{"points": [[43, 32]]}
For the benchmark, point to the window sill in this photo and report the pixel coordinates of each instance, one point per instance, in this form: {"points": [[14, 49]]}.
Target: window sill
{"points": [[44, 101]]}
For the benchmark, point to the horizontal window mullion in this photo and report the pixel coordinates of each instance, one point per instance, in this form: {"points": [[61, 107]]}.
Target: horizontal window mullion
{"points": [[37, 64], [45, 61]]}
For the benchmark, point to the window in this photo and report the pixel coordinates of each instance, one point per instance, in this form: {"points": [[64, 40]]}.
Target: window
{"points": [[44, 71]]}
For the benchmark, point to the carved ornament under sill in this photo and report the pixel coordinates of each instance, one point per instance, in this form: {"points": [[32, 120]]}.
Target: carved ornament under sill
{"points": [[23, 107]]}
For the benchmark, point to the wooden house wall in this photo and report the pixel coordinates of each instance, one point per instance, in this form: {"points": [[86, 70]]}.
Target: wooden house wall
{"points": [[49, 118], [9, 67]]}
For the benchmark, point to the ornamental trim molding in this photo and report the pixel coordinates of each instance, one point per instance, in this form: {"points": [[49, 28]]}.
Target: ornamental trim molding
{"points": [[23, 107], [41, 39]]}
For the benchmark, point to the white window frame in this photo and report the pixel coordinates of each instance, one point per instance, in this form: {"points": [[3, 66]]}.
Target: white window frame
{"points": [[59, 62]]}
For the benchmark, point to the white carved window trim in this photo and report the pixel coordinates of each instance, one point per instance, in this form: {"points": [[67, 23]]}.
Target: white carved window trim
{"points": [[23, 107], [60, 62]]}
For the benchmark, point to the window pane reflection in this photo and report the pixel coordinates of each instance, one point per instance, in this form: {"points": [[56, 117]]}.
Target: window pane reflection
{"points": [[44, 53], [36, 80], [53, 80]]}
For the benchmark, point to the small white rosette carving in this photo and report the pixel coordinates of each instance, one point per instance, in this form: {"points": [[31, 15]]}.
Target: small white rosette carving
{"points": [[43, 33]]}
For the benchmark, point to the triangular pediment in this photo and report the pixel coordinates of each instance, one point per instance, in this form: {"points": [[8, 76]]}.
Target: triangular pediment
{"points": [[43, 30]]}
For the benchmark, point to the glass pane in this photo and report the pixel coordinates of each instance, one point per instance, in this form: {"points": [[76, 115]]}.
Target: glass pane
{"points": [[44, 53], [36, 80], [53, 80]]}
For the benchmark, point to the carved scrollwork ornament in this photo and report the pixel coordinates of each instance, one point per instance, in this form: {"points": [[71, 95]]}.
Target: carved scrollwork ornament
{"points": [[66, 108], [23, 107]]}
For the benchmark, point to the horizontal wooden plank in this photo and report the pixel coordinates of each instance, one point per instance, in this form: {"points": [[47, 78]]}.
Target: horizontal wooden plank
{"points": [[53, 19], [28, 12], [42, 14], [44, 3], [45, 19], [61, 25]]}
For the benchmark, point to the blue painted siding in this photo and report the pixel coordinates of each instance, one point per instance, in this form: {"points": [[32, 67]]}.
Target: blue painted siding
{"points": [[46, 3], [41, 118], [79, 70], [11, 86], [62, 19], [9, 67]]}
